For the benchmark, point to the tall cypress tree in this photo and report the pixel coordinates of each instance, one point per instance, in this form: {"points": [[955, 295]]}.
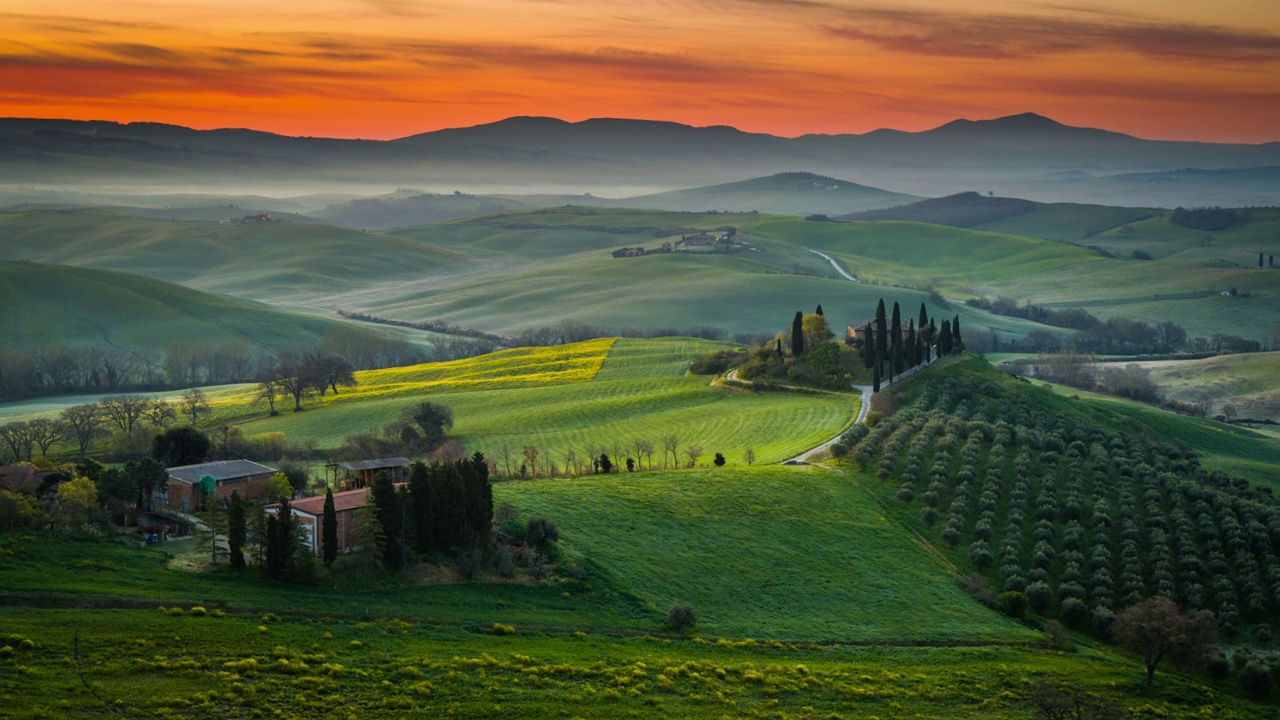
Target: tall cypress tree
{"points": [[281, 529], [1259, 265], [944, 339], [777, 348], [875, 378], [923, 321], [329, 529], [956, 340], [913, 347], [897, 357], [237, 530], [420, 508], [797, 335], [868, 346], [882, 336], [390, 513], [818, 312]]}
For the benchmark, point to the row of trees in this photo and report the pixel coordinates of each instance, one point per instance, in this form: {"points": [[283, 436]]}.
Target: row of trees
{"points": [[292, 376], [604, 458], [888, 351]]}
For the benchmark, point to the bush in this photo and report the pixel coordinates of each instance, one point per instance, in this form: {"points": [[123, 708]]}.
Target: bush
{"points": [[1039, 596], [977, 587], [1218, 667], [1059, 638], [503, 563], [1014, 604], [1074, 612], [681, 617], [468, 563], [539, 531], [1255, 678]]}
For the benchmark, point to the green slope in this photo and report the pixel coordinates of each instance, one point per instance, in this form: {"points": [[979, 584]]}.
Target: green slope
{"points": [[262, 261], [81, 306], [1249, 383], [793, 193]]}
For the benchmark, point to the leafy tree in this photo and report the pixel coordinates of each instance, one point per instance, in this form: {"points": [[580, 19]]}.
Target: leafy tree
{"points": [[530, 455], [719, 460], [1155, 630], [875, 378], [797, 335], [117, 485], [327, 372], [75, 500], [868, 346], [541, 532], [148, 475], [1255, 678], [1013, 603], [749, 456], [83, 423], [605, 464], [237, 530], [280, 539], [816, 331], [693, 452], [329, 528], [180, 446], [923, 321], [434, 420], [681, 617]]}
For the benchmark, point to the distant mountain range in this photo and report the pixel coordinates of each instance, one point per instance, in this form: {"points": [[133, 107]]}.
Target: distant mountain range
{"points": [[1025, 155]]}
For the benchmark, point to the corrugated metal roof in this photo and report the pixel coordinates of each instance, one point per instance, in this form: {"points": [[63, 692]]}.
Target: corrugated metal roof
{"points": [[378, 464], [220, 470]]}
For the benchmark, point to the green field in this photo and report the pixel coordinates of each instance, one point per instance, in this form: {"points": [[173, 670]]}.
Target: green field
{"points": [[1249, 383], [640, 391], [69, 306], [796, 193]]}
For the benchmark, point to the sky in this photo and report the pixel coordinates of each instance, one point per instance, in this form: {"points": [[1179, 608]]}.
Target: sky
{"points": [[1163, 69]]}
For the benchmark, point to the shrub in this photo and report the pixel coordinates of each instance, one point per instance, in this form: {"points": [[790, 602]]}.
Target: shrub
{"points": [[468, 563], [540, 531], [1255, 678], [198, 610], [1074, 612], [500, 629], [1218, 667], [1059, 638], [503, 563], [681, 617], [1013, 603]]}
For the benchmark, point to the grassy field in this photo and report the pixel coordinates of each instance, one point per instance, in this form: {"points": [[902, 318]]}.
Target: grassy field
{"points": [[797, 193], [801, 552], [1249, 383], [263, 261], [1069, 222], [59, 304], [554, 399]]}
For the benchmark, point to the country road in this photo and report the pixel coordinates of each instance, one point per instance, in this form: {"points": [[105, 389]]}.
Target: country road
{"points": [[835, 265]]}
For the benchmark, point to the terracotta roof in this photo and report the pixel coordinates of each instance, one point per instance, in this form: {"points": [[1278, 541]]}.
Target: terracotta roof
{"points": [[220, 470], [342, 501]]}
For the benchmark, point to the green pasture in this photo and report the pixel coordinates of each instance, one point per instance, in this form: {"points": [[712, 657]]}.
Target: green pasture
{"points": [[1069, 222], [144, 663], [789, 553], [785, 193], [640, 392], [263, 261], [69, 306], [1250, 383]]}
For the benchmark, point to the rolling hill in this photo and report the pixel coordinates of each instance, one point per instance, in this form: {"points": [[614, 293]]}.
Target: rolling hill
{"points": [[70, 306], [791, 193]]}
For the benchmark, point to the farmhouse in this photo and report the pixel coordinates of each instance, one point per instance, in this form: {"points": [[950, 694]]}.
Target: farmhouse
{"points": [[188, 488], [854, 331], [360, 473], [700, 239], [310, 514]]}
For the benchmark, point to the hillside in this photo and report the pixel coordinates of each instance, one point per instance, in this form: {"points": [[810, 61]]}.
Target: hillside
{"points": [[1248, 384], [965, 210], [281, 261], [792, 193], [381, 213], [62, 305]]}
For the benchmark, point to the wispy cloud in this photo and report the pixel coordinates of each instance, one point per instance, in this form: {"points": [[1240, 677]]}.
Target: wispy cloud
{"points": [[1003, 36]]}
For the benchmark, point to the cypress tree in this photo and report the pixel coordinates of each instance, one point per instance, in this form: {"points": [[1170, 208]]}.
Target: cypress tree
{"points": [[944, 339], [875, 379], [236, 530], [280, 541], [818, 312], [390, 512], [1271, 260], [923, 321], [482, 512], [957, 342], [420, 503], [913, 347], [882, 335], [777, 347], [896, 363], [329, 528], [1259, 261], [797, 335], [868, 346]]}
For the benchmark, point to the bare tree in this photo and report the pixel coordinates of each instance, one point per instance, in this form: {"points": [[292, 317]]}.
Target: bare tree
{"points": [[268, 391], [643, 448], [124, 410], [195, 404], [505, 454], [1052, 702], [749, 456], [530, 454], [19, 440], [160, 412], [693, 452], [83, 424], [571, 462], [671, 444], [45, 432]]}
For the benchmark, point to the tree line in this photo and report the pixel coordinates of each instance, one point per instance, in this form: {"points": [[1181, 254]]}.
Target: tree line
{"points": [[888, 351]]}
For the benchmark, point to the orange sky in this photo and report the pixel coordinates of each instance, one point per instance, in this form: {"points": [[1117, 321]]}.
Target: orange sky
{"points": [[388, 68]]}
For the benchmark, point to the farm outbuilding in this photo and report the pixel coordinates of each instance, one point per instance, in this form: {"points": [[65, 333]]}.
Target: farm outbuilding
{"points": [[191, 485], [310, 513], [360, 473]]}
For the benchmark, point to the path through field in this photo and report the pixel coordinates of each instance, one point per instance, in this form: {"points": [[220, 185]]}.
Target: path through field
{"points": [[834, 264]]}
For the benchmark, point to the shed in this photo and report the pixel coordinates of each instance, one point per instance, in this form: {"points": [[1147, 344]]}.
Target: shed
{"points": [[360, 473], [246, 476], [310, 513]]}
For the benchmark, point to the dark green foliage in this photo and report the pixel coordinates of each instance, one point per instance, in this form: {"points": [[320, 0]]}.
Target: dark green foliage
{"points": [[819, 310], [605, 464], [718, 361], [719, 460], [117, 485], [1039, 596], [1218, 667], [1209, 219], [1255, 678], [281, 536], [503, 564], [882, 336], [897, 360], [468, 563], [180, 446], [541, 532], [329, 529], [237, 529], [797, 335], [956, 341], [450, 506], [433, 421], [389, 507], [681, 618], [944, 339], [147, 475]]}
